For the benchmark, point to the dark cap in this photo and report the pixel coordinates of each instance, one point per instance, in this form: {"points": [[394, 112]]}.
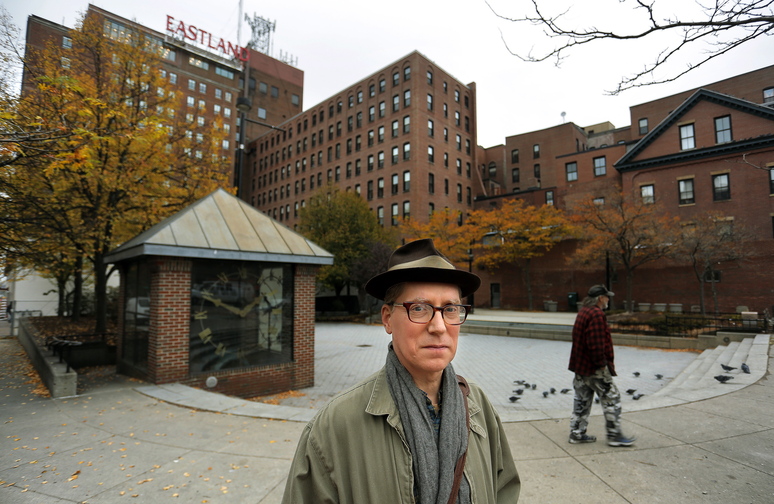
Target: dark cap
{"points": [[419, 261], [600, 290]]}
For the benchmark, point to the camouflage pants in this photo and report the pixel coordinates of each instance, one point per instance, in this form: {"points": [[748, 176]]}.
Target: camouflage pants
{"points": [[601, 383]]}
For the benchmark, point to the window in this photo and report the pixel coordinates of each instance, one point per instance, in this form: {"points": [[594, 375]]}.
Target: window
{"points": [[431, 183], [395, 155], [536, 171], [430, 153], [395, 78], [371, 90], [571, 169], [202, 87], [406, 181], [549, 197], [396, 103], [771, 180], [456, 95], [380, 134], [407, 73], [687, 138], [263, 87], [67, 42], [648, 194], [382, 85], [723, 129], [459, 193], [406, 151], [382, 109], [768, 95], [394, 214], [599, 201], [643, 123], [395, 128], [261, 113], [406, 209], [492, 173], [430, 128], [712, 276], [459, 166], [407, 98], [295, 100], [686, 192], [459, 142], [457, 118], [371, 113], [370, 190], [515, 156], [360, 97], [380, 159], [446, 186], [515, 175], [429, 102], [218, 93], [224, 72], [600, 166], [191, 85], [406, 124], [380, 188], [536, 151], [429, 77], [190, 101], [721, 190], [395, 178], [380, 215], [196, 62]]}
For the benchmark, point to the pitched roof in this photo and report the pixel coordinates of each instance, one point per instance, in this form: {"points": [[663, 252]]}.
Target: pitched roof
{"points": [[629, 160], [221, 226]]}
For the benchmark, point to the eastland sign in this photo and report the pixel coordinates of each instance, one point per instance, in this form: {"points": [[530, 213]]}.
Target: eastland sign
{"points": [[205, 38]]}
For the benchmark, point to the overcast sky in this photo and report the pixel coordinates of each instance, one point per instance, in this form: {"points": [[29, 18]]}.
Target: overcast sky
{"points": [[339, 42]]}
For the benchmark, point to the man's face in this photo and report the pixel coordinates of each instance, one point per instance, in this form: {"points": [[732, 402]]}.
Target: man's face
{"points": [[424, 349], [604, 301]]}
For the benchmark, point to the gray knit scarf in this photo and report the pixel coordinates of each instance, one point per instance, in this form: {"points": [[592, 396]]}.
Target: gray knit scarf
{"points": [[433, 461]]}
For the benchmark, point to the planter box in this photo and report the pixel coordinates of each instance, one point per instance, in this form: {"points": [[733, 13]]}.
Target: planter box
{"points": [[643, 307], [550, 306], [659, 307], [675, 308]]}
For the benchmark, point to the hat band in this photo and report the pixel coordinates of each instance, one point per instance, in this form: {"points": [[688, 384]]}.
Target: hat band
{"points": [[425, 262]]}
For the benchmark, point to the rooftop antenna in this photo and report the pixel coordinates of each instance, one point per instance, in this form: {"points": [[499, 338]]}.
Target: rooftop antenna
{"points": [[262, 29], [563, 114]]}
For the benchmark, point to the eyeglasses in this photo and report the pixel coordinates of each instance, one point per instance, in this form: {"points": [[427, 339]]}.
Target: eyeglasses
{"points": [[422, 313]]}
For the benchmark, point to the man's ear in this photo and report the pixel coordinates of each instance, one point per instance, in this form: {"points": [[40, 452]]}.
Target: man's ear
{"points": [[387, 318]]}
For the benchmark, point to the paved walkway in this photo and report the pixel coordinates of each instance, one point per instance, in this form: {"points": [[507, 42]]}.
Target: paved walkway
{"points": [[115, 441]]}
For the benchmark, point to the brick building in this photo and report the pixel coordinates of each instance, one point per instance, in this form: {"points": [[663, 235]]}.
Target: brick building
{"points": [[206, 72], [404, 138], [704, 150]]}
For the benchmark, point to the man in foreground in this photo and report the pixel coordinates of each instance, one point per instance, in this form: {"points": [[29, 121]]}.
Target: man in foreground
{"points": [[414, 431]]}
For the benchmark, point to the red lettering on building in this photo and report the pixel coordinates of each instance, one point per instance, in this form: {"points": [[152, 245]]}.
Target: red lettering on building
{"points": [[205, 38]]}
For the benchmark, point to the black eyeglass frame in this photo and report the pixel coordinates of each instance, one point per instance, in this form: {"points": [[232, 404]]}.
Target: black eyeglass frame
{"points": [[409, 304]]}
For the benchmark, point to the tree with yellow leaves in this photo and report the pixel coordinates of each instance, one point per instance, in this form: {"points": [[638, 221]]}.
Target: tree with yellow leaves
{"points": [[450, 237], [628, 230], [516, 233], [128, 153]]}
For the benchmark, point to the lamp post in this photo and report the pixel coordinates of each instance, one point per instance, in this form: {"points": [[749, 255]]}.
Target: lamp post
{"points": [[471, 299], [243, 106]]}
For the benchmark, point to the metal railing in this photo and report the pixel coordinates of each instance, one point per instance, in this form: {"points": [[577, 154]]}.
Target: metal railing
{"points": [[693, 325]]}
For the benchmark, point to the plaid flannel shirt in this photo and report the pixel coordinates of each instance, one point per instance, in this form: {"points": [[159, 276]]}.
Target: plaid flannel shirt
{"points": [[592, 345]]}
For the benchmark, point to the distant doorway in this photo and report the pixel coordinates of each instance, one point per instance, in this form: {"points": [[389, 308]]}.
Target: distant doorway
{"points": [[494, 295]]}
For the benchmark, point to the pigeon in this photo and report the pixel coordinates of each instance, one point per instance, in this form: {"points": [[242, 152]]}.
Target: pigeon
{"points": [[637, 397], [564, 390], [526, 385], [518, 391], [514, 398], [519, 382], [727, 368], [545, 394], [631, 391], [636, 373], [534, 386], [723, 378], [596, 400], [659, 376], [553, 390], [745, 368]]}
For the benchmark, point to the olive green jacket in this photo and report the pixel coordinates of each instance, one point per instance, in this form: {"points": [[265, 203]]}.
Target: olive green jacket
{"points": [[354, 451]]}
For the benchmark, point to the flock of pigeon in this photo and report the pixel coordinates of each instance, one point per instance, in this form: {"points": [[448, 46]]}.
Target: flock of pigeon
{"points": [[724, 378], [632, 392], [532, 386]]}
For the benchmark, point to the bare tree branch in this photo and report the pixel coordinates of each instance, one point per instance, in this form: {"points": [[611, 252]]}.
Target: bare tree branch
{"points": [[739, 20]]}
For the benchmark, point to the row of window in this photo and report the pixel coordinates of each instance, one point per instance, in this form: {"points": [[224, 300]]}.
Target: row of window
{"points": [[723, 133], [571, 168], [358, 96], [355, 144], [535, 154], [219, 94], [686, 194]]}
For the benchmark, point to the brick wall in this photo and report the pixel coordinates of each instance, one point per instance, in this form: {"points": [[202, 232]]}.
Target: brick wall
{"points": [[169, 334]]}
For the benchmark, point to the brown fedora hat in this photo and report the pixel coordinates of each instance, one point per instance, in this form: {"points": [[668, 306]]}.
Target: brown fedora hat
{"points": [[420, 261]]}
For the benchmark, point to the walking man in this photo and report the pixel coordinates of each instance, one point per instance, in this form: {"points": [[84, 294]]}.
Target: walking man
{"points": [[591, 359]]}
